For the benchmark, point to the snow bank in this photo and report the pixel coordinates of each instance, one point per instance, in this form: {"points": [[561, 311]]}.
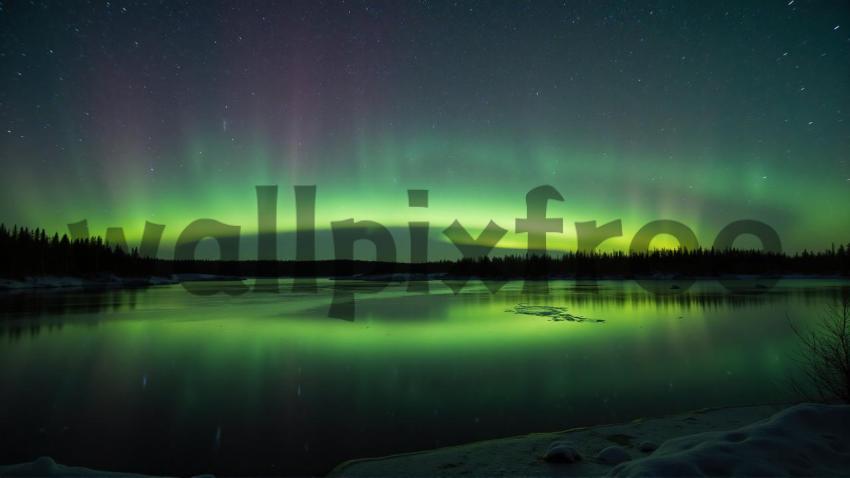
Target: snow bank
{"points": [[45, 466], [803, 440], [768, 440], [69, 282], [42, 282]]}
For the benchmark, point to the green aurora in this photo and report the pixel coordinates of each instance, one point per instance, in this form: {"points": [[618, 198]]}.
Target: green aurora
{"points": [[173, 118]]}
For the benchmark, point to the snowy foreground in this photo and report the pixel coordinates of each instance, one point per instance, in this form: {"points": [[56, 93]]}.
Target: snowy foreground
{"points": [[46, 467], [802, 440]]}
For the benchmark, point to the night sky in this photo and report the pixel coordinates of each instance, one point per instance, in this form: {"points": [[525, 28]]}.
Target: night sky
{"points": [[703, 112]]}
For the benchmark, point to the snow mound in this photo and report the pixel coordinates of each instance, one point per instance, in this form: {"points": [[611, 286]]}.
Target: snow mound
{"points": [[613, 455], [562, 452], [803, 440]]}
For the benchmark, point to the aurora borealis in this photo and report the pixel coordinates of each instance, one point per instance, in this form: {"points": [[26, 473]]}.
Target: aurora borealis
{"points": [[702, 112]]}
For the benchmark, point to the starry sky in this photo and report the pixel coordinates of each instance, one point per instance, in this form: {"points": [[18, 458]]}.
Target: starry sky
{"points": [[121, 112]]}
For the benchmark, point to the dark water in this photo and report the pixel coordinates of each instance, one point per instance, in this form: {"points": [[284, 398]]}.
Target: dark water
{"points": [[163, 381]]}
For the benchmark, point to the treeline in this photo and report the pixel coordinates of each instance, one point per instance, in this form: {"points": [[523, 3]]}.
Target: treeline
{"points": [[32, 252], [679, 262]]}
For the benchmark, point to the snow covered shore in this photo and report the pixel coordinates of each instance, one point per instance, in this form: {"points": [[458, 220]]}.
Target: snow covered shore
{"points": [[757, 441], [70, 282], [802, 440], [45, 466], [105, 281]]}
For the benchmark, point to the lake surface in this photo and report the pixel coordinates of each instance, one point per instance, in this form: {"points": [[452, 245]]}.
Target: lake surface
{"points": [[164, 381]]}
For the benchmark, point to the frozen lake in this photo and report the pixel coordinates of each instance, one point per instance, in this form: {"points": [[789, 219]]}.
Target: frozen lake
{"points": [[164, 381]]}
